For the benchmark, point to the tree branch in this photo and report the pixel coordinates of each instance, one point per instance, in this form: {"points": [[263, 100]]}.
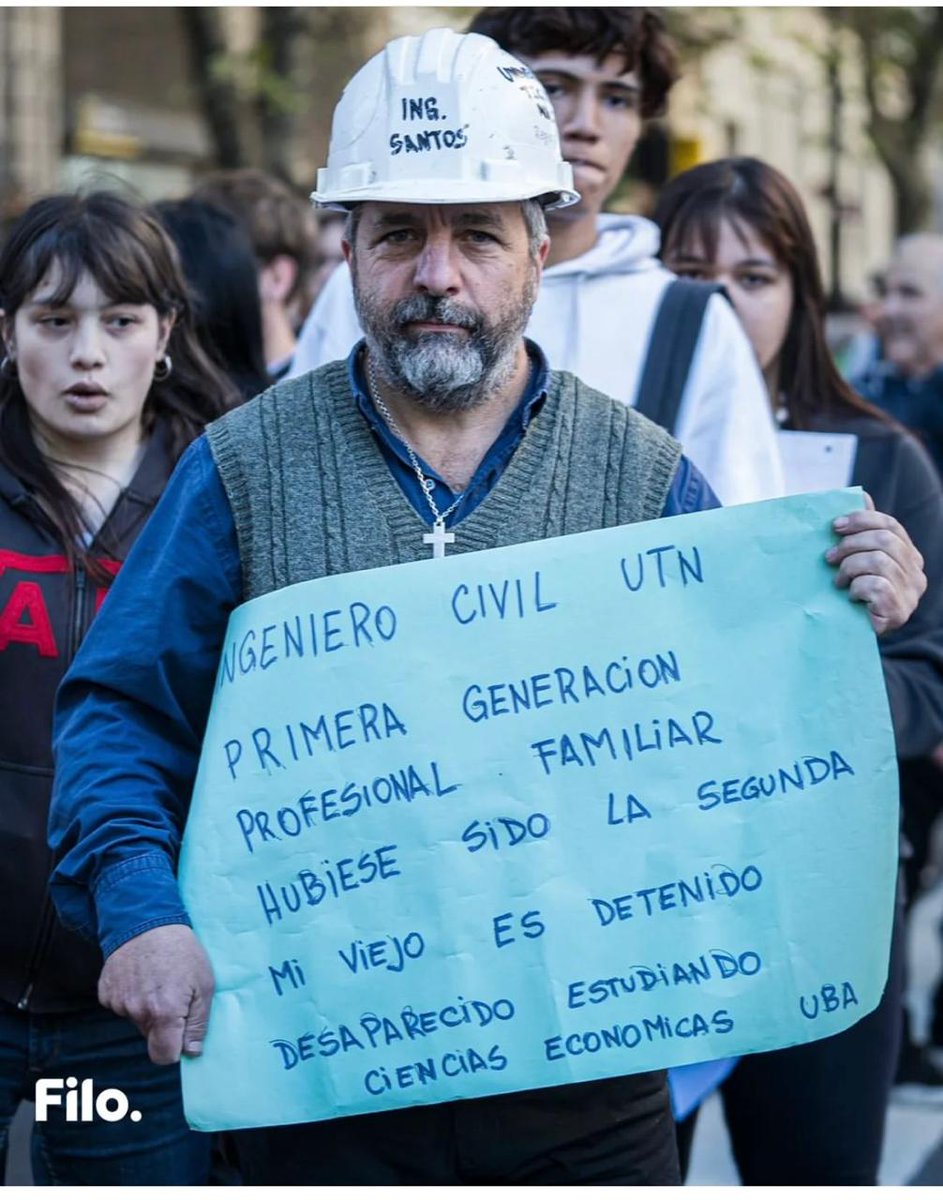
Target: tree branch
{"points": [[218, 98]]}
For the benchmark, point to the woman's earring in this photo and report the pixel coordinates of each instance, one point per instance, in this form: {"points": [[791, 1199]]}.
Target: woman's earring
{"points": [[8, 367], [163, 368]]}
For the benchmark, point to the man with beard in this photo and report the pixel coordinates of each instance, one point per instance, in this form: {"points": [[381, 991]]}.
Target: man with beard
{"points": [[444, 429], [606, 70]]}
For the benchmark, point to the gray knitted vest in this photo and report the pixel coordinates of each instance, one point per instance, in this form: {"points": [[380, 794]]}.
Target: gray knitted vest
{"points": [[311, 494]]}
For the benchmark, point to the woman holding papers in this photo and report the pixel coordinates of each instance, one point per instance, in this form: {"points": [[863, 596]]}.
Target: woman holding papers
{"points": [[814, 1114], [102, 386]]}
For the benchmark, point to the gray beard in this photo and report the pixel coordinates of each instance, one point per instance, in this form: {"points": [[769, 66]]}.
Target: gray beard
{"points": [[444, 372]]}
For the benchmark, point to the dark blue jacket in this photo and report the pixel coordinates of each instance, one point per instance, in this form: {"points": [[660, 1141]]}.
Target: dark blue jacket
{"points": [[47, 605]]}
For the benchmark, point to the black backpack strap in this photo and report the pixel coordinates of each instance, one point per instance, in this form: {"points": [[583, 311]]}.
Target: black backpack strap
{"points": [[671, 345]]}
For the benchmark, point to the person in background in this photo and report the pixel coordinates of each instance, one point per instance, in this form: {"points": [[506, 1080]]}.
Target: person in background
{"points": [[102, 385], [907, 381], [330, 251], [863, 351], [220, 269], [605, 70], [285, 237], [814, 1114]]}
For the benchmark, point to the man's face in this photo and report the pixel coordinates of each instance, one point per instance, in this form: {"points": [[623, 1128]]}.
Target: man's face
{"points": [[910, 316], [443, 292], [597, 111]]}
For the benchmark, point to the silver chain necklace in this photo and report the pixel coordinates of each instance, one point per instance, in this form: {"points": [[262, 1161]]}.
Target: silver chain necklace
{"points": [[439, 537]]}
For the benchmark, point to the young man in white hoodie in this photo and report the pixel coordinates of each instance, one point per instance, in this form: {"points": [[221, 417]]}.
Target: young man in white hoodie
{"points": [[605, 70]]}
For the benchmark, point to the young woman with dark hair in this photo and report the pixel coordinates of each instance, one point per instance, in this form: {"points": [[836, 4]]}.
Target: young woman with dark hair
{"points": [[102, 386], [752, 201], [814, 1114]]}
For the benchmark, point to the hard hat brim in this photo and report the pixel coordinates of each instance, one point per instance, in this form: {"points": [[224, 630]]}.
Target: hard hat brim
{"points": [[433, 192]]}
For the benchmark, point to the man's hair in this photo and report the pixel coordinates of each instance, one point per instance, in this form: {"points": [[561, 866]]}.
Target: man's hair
{"points": [[277, 219], [535, 221], [638, 34]]}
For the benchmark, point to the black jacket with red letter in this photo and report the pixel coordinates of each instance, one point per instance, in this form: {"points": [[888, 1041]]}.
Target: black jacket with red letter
{"points": [[45, 611]]}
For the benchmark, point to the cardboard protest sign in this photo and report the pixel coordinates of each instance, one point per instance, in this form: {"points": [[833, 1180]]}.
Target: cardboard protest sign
{"points": [[543, 814]]}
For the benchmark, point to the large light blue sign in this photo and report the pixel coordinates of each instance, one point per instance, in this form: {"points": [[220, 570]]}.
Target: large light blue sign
{"points": [[566, 810]]}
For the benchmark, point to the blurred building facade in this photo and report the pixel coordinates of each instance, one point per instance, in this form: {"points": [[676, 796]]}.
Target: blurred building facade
{"points": [[31, 103], [108, 94], [104, 94]]}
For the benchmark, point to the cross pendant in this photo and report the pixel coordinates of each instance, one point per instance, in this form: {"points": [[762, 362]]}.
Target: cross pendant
{"points": [[438, 539]]}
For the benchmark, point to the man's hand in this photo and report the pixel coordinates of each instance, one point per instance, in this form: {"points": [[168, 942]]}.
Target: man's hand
{"points": [[163, 981], [879, 565]]}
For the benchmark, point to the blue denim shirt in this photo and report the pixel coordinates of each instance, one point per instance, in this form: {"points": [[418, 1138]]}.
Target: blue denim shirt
{"points": [[132, 710]]}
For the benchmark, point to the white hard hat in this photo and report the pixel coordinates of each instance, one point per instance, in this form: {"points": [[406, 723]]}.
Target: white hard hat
{"points": [[444, 118]]}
